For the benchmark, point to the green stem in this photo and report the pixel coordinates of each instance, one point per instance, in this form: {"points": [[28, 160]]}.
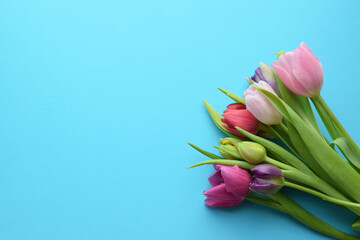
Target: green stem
{"points": [[317, 183], [302, 215], [283, 128], [264, 201], [281, 132], [241, 164], [326, 119], [322, 196], [319, 100], [277, 163]]}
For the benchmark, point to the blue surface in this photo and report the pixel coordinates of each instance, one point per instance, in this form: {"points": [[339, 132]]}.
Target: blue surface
{"points": [[98, 100]]}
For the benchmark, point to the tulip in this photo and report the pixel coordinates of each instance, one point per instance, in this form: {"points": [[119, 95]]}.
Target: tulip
{"points": [[227, 150], [300, 71], [230, 186], [260, 106], [237, 116], [267, 179], [252, 152], [265, 73]]}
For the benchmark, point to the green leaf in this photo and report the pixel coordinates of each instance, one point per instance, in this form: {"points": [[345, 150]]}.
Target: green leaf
{"points": [[233, 96], [329, 160], [206, 153], [306, 155], [356, 224], [299, 104], [216, 117], [228, 162], [346, 148]]}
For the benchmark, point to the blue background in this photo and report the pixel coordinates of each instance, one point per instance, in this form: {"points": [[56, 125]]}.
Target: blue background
{"points": [[98, 100]]}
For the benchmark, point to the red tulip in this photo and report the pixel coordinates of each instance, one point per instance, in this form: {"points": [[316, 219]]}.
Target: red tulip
{"points": [[236, 115]]}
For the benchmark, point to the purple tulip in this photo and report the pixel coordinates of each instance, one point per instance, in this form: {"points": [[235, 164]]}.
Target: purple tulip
{"points": [[265, 73], [260, 106], [267, 179], [301, 71], [230, 186]]}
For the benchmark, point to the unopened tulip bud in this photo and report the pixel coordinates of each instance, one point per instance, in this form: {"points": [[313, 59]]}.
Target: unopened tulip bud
{"points": [[301, 71], [267, 179], [229, 151], [252, 152], [260, 106], [265, 73]]}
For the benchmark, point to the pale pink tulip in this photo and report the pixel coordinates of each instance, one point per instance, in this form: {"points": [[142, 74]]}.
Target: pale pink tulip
{"points": [[260, 106], [301, 71]]}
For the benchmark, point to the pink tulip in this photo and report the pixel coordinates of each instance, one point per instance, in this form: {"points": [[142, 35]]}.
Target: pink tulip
{"points": [[300, 71], [237, 116], [260, 106], [230, 186]]}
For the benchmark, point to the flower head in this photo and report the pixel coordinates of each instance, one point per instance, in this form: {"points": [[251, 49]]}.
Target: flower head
{"points": [[230, 186], [265, 73], [260, 106], [301, 71], [252, 152], [236, 115], [267, 179]]}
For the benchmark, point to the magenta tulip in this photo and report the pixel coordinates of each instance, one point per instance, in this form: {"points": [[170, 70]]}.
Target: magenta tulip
{"points": [[300, 71], [230, 186], [260, 106], [237, 116]]}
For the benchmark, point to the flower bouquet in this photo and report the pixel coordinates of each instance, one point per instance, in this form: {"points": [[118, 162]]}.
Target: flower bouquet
{"points": [[274, 141]]}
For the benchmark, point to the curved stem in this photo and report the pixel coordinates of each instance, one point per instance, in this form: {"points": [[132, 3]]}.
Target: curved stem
{"points": [[241, 164], [321, 195], [283, 127], [296, 211], [337, 123], [277, 163]]}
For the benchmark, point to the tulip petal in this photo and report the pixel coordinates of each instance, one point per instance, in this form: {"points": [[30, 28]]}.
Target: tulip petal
{"points": [[219, 192], [236, 180], [266, 169], [237, 106], [218, 166], [216, 178], [288, 78], [212, 202], [308, 70], [243, 119], [262, 109]]}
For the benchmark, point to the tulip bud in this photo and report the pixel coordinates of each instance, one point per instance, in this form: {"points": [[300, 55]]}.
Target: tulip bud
{"points": [[229, 151], [237, 116], [267, 179], [252, 152], [265, 73], [260, 106], [300, 71]]}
